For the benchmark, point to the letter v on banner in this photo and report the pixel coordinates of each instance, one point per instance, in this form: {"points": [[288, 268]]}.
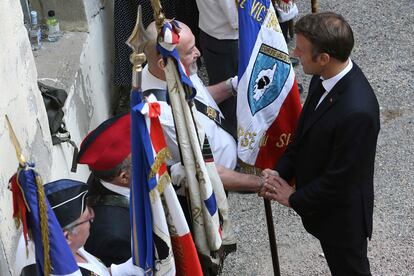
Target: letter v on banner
{"points": [[268, 95]]}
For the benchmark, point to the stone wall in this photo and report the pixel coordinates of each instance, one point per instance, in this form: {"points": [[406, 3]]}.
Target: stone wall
{"points": [[83, 69]]}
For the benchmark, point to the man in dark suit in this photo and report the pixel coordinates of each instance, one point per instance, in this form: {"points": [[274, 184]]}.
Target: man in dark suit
{"points": [[331, 158], [106, 150]]}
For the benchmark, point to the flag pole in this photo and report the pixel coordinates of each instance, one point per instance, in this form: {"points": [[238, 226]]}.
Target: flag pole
{"points": [[137, 42], [16, 144], [272, 237]]}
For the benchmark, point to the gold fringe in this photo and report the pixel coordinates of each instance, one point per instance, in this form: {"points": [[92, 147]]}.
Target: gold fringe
{"points": [[44, 225], [161, 157], [163, 181], [249, 169]]}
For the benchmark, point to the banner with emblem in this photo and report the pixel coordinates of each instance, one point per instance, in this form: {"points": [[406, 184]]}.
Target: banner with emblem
{"points": [[267, 87], [32, 210]]}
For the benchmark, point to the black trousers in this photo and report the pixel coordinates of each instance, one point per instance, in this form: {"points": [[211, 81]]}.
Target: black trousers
{"points": [[347, 261]]}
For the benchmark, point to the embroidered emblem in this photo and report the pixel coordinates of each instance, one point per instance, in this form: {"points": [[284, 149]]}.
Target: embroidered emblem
{"points": [[269, 74]]}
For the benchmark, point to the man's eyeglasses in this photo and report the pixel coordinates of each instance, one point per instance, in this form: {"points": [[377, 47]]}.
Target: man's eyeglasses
{"points": [[90, 219]]}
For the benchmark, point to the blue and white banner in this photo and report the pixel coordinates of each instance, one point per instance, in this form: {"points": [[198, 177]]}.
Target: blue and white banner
{"points": [[52, 253], [267, 88]]}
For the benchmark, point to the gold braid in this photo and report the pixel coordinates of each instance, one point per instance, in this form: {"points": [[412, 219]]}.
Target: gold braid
{"points": [[44, 228], [160, 159]]}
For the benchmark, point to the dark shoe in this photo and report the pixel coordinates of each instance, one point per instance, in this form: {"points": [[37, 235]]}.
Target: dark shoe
{"points": [[294, 61]]}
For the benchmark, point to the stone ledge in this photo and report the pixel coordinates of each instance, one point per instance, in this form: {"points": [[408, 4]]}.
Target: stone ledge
{"points": [[58, 62]]}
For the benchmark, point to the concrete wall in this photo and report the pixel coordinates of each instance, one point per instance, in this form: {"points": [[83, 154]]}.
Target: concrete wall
{"points": [[72, 14], [21, 100], [84, 70]]}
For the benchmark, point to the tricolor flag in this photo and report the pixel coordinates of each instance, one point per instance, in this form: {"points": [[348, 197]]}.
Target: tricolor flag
{"points": [[208, 202], [142, 209], [162, 242], [268, 97], [31, 207]]}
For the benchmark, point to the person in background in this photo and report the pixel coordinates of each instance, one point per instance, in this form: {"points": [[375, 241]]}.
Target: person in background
{"points": [[219, 34], [67, 199], [107, 152], [125, 16], [223, 144]]}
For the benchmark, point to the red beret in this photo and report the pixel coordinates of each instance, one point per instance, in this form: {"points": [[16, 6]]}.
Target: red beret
{"points": [[108, 145]]}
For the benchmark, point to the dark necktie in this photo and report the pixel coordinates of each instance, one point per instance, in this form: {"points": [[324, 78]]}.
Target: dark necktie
{"points": [[316, 95]]}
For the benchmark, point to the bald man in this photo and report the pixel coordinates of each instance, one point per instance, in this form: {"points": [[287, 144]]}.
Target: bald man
{"points": [[223, 144]]}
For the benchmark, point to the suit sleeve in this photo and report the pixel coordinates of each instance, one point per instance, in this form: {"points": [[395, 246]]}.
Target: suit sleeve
{"points": [[354, 142], [286, 164]]}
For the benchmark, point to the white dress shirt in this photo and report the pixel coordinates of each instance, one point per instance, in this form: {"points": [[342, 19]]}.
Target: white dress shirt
{"points": [[124, 191], [328, 84], [218, 18], [26, 257], [222, 144]]}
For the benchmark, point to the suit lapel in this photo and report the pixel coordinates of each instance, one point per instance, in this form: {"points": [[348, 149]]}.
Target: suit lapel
{"points": [[310, 117], [314, 115], [313, 86]]}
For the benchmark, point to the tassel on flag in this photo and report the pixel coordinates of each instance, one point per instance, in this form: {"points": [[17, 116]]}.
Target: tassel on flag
{"points": [[32, 209]]}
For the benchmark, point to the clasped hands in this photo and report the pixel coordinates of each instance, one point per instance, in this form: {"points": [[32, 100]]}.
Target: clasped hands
{"points": [[272, 186]]}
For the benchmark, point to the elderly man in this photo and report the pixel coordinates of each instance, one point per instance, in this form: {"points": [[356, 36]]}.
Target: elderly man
{"points": [[223, 144], [67, 199], [106, 150]]}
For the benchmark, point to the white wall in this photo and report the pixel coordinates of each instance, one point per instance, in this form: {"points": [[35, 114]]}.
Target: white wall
{"points": [[87, 105], [88, 102], [21, 100]]}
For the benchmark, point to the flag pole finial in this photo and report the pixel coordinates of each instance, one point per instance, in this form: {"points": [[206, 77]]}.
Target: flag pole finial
{"points": [[137, 42], [16, 144]]}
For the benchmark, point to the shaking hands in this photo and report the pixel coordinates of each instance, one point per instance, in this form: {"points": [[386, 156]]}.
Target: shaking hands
{"points": [[273, 187]]}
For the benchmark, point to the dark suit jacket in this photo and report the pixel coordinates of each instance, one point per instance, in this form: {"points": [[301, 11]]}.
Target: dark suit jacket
{"points": [[110, 233], [332, 159]]}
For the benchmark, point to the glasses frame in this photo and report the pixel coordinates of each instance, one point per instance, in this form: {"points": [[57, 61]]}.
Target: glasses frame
{"points": [[90, 220]]}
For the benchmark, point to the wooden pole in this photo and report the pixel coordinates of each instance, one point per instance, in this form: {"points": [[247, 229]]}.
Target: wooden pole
{"points": [[272, 237]]}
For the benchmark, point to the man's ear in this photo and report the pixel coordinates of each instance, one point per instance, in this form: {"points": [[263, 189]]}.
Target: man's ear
{"points": [[68, 237], [161, 64], [124, 178], [324, 58]]}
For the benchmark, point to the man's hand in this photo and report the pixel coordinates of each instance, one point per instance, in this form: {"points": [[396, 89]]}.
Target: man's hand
{"points": [[126, 269], [276, 188], [178, 176]]}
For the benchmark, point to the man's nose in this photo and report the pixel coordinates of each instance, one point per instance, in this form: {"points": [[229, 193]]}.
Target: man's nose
{"points": [[196, 52], [295, 53]]}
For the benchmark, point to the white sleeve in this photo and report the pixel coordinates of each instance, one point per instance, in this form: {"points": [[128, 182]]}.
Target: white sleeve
{"points": [[23, 259], [126, 269], [230, 10]]}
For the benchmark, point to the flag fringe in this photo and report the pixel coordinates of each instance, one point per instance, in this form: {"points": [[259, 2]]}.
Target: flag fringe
{"points": [[43, 225]]}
